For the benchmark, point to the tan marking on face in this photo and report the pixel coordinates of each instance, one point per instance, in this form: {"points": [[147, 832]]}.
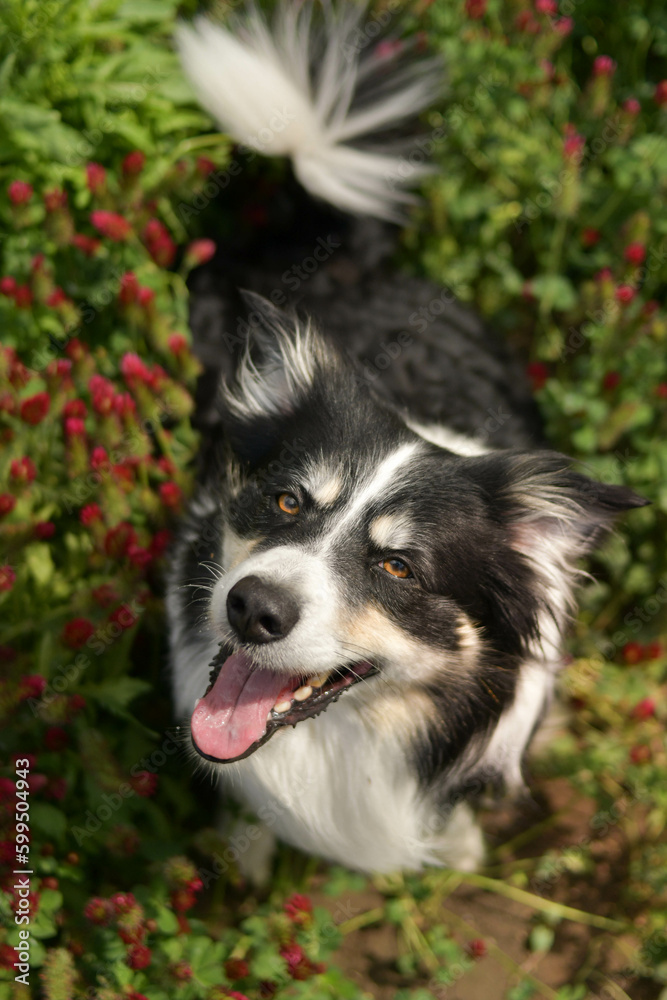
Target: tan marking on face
{"points": [[327, 491], [235, 549], [468, 636], [396, 713], [390, 531]]}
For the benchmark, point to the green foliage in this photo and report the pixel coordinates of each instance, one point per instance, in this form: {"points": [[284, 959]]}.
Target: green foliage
{"points": [[86, 82], [549, 215]]}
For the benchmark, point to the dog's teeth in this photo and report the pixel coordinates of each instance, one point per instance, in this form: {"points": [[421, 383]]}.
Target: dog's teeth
{"points": [[319, 681], [282, 706], [302, 693], [197, 701]]}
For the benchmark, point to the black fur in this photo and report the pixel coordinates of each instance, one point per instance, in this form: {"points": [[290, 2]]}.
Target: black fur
{"points": [[451, 368]]}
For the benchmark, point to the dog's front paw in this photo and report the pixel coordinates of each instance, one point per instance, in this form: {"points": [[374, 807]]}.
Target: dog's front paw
{"points": [[462, 845], [254, 845]]}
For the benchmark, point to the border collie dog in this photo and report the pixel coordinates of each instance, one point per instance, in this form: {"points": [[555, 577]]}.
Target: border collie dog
{"points": [[367, 599]]}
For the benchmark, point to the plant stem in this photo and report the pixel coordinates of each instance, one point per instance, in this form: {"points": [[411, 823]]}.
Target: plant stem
{"points": [[612, 987], [545, 905], [616, 199], [516, 865], [609, 612], [29, 625], [361, 920], [200, 142], [556, 247], [527, 835], [416, 939]]}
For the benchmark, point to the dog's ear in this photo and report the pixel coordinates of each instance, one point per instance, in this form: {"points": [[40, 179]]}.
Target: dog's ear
{"points": [[281, 361], [544, 496], [277, 367], [549, 514]]}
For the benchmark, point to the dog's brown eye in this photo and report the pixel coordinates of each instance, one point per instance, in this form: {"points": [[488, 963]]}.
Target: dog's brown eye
{"points": [[397, 568], [289, 503]]}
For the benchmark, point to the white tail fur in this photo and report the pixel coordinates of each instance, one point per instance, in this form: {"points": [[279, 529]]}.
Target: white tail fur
{"points": [[307, 91]]}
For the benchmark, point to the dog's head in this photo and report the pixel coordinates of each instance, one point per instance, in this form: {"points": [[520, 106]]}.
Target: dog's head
{"points": [[357, 554]]}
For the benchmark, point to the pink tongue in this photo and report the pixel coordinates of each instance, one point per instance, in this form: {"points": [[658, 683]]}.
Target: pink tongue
{"points": [[232, 716]]}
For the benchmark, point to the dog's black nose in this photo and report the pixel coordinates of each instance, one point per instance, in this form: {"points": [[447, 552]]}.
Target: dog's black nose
{"points": [[259, 612]]}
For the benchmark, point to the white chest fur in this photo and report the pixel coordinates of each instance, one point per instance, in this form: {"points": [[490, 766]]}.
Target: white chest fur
{"points": [[335, 788]]}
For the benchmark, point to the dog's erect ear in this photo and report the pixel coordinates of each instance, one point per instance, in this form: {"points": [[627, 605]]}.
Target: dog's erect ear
{"points": [[546, 499], [277, 367], [282, 360], [551, 514]]}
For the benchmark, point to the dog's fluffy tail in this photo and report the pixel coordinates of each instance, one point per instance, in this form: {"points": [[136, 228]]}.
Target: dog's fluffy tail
{"points": [[317, 89]]}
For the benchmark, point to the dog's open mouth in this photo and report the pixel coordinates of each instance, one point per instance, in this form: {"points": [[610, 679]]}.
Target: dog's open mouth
{"points": [[245, 705]]}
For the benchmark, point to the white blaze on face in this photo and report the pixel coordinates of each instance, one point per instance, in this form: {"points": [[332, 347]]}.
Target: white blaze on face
{"points": [[460, 444], [373, 488], [320, 640]]}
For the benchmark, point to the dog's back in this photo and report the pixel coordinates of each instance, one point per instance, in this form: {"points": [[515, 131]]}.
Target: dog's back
{"points": [[410, 339]]}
